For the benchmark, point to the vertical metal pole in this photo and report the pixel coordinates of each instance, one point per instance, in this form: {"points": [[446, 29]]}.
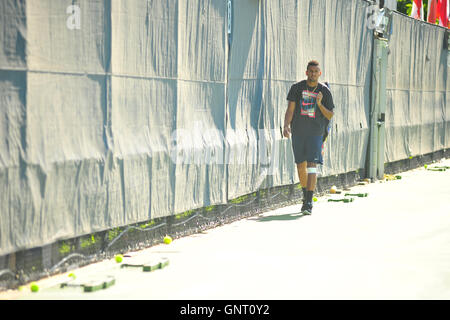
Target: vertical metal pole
{"points": [[383, 46], [226, 148], [378, 109], [373, 144], [229, 18]]}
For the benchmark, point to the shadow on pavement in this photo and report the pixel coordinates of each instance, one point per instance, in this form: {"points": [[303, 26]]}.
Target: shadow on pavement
{"points": [[278, 217]]}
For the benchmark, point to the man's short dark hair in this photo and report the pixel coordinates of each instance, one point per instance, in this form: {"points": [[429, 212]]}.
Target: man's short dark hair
{"points": [[312, 63]]}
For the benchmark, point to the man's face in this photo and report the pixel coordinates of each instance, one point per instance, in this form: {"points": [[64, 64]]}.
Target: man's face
{"points": [[313, 73]]}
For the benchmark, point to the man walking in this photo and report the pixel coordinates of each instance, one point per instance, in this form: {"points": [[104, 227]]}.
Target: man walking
{"points": [[310, 108]]}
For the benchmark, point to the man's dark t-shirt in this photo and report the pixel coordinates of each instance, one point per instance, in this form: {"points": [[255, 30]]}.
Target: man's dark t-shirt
{"points": [[308, 119]]}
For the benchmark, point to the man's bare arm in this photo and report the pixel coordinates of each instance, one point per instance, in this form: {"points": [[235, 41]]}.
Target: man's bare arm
{"points": [[288, 119], [327, 113]]}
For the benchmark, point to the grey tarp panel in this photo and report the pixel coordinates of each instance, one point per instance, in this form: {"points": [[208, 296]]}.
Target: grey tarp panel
{"points": [[15, 194], [201, 90], [265, 33], [244, 97], [13, 35], [58, 108], [12, 96], [144, 37], [142, 119], [417, 90], [12, 117], [52, 46], [281, 47]]}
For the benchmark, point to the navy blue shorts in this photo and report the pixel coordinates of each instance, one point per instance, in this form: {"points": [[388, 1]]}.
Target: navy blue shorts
{"points": [[307, 148]]}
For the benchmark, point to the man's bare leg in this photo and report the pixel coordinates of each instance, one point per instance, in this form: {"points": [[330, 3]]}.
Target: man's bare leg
{"points": [[302, 174], [312, 176]]}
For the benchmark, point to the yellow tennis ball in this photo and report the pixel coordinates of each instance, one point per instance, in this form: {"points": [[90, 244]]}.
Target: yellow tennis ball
{"points": [[315, 199], [167, 240], [119, 258], [425, 166], [34, 287]]}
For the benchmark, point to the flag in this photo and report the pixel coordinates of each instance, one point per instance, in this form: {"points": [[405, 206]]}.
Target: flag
{"points": [[432, 11], [442, 8], [417, 10]]}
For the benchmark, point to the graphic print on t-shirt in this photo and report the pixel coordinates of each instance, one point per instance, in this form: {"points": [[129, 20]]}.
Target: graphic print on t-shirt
{"points": [[308, 104]]}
